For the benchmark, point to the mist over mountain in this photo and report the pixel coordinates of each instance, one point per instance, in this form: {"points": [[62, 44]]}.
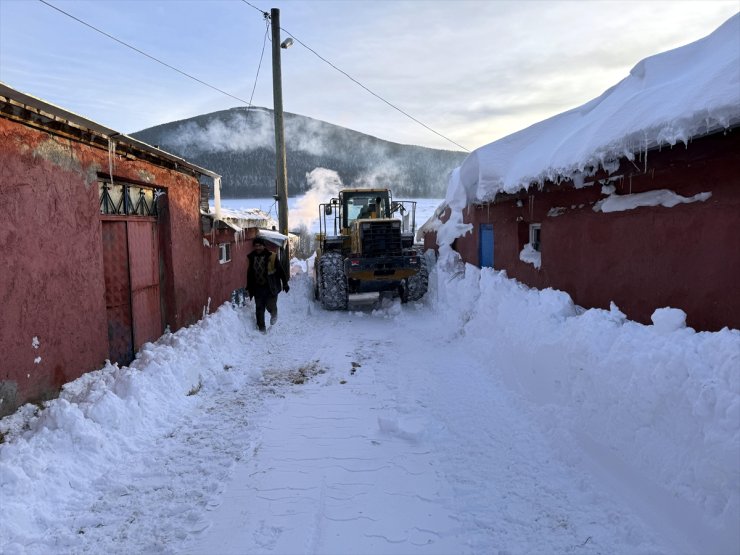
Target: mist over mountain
{"points": [[239, 144]]}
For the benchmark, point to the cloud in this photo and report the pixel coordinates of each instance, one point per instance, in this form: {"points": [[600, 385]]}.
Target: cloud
{"points": [[445, 63]]}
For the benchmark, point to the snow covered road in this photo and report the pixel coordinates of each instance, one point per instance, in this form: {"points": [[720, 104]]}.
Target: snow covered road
{"points": [[387, 431], [403, 444]]}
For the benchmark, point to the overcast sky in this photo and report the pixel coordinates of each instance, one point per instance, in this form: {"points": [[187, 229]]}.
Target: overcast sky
{"points": [[472, 71]]}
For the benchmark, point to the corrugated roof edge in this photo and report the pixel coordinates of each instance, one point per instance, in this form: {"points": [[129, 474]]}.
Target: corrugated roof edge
{"points": [[37, 103]]}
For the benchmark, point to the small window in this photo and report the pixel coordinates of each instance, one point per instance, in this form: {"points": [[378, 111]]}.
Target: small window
{"points": [[535, 233], [224, 253]]}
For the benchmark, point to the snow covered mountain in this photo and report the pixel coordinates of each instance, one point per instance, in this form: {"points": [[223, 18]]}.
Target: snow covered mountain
{"points": [[239, 144]]}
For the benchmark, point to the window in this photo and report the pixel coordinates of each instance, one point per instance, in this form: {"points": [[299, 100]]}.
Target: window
{"points": [[535, 232], [224, 253]]}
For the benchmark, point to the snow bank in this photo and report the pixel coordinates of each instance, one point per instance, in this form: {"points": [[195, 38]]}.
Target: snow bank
{"points": [[654, 408], [98, 420], [658, 402]]}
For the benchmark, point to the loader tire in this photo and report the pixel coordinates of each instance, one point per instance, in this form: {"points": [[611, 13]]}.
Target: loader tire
{"points": [[416, 285], [333, 292]]}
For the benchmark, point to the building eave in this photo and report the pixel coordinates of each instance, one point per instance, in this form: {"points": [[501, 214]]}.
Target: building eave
{"points": [[56, 113]]}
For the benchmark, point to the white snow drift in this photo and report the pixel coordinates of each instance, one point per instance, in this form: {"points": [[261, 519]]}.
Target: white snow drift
{"points": [[134, 459]]}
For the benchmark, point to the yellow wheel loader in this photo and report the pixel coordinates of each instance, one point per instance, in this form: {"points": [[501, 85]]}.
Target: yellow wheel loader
{"points": [[366, 243]]}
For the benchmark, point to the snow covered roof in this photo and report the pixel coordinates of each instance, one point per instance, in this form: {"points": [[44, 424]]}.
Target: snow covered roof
{"points": [[273, 237], [666, 99], [240, 219]]}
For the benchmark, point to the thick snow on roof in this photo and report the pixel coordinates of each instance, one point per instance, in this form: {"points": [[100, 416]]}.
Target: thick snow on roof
{"points": [[273, 237], [244, 218], [666, 99]]}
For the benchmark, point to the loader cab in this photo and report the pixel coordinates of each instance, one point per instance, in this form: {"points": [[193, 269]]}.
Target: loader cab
{"points": [[364, 204]]}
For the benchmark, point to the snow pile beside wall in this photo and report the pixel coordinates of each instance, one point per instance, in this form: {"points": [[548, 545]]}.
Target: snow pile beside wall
{"points": [[660, 402], [104, 417]]}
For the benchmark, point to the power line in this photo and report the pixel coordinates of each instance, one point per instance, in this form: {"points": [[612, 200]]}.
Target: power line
{"points": [[371, 92], [266, 15], [256, 77], [152, 57]]}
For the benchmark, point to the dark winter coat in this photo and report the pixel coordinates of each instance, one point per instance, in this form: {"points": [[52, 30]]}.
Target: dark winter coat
{"points": [[265, 274]]}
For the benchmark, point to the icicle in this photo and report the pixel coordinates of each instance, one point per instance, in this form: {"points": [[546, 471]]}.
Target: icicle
{"points": [[646, 152], [111, 154], [531, 208], [217, 196]]}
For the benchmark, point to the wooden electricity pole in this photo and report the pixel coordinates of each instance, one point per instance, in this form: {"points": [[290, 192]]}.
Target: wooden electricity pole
{"points": [[282, 169]]}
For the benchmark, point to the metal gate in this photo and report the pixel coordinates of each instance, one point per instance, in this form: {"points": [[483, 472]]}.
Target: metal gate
{"points": [[132, 300]]}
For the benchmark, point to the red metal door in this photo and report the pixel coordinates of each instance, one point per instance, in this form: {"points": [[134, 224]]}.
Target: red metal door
{"points": [[143, 249], [131, 267], [117, 292]]}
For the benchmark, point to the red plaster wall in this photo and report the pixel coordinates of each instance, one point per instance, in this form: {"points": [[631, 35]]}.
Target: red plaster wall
{"points": [[686, 257], [189, 276], [225, 278], [51, 273], [430, 241]]}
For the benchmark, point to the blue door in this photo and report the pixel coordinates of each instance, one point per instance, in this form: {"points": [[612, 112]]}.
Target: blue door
{"points": [[485, 253]]}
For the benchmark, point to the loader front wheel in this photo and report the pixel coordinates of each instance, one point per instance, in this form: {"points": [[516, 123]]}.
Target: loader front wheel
{"points": [[333, 292], [417, 285]]}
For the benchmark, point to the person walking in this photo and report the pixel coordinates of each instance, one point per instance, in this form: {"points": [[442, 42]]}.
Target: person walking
{"points": [[265, 279]]}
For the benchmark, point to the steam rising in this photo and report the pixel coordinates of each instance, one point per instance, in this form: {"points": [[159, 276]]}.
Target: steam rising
{"points": [[234, 134], [239, 133], [240, 146], [323, 185]]}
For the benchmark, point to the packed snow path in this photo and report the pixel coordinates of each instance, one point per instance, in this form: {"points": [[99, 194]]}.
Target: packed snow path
{"points": [[389, 448], [383, 430]]}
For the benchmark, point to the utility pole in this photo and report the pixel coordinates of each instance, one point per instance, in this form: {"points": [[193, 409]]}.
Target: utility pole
{"points": [[282, 169]]}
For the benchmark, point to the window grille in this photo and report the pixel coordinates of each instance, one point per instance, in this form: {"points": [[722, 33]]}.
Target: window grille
{"points": [[125, 199]]}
